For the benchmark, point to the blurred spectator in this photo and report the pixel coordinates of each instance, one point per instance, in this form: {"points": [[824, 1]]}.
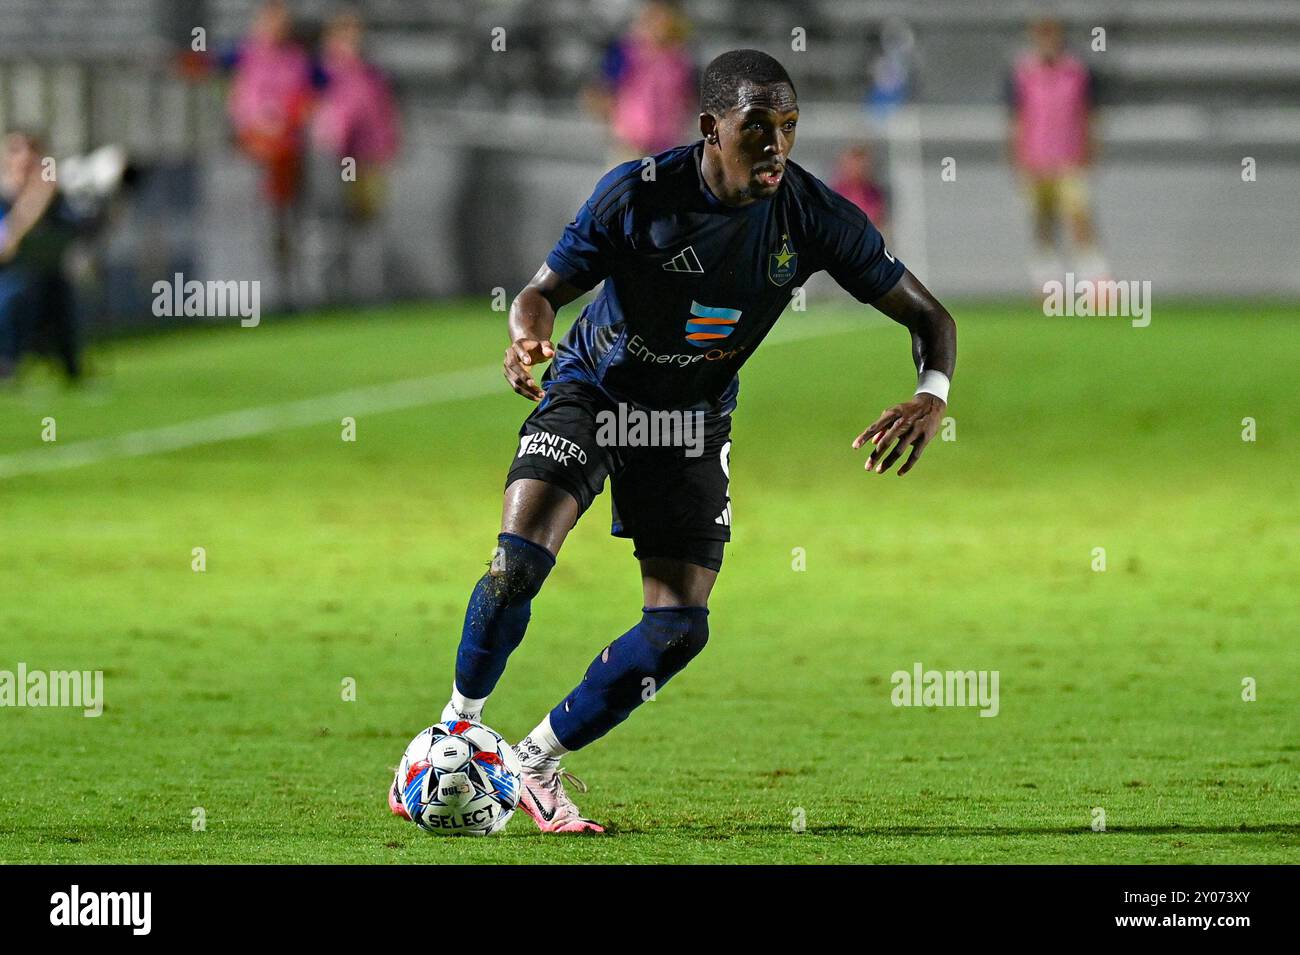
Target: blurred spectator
{"points": [[1051, 97], [894, 68], [355, 135], [36, 227], [356, 117], [648, 90], [855, 181], [270, 100]]}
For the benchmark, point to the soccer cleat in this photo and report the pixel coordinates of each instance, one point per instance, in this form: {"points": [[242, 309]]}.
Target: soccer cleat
{"points": [[544, 798], [395, 800]]}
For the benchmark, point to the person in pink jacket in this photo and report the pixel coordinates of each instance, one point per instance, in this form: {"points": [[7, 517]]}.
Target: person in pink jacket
{"points": [[270, 99], [356, 117], [272, 91], [648, 84], [355, 137], [1050, 94], [856, 181]]}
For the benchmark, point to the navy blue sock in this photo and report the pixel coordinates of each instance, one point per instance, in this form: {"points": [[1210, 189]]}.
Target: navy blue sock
{"points": [[498, 613], [616, 683]]}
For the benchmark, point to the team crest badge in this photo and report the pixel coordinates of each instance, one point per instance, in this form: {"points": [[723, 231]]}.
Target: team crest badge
{"points": [[782, 265]]}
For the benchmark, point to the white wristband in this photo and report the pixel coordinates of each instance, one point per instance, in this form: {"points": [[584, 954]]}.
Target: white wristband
{"points": [[933, 383]]}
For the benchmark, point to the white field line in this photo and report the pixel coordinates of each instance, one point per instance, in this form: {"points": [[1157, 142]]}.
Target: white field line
{"points": [[267, 419]]}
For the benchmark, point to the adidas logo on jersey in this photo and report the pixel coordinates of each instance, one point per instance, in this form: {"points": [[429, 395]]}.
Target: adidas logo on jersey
{"points": [[684, 261]]}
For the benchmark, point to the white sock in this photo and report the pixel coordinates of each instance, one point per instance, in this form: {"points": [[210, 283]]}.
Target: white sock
{"points": [[465, 706], [540, 747]]}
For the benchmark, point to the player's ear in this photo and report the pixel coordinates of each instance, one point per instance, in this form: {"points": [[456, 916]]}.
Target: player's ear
{"points": [[709, 127]]}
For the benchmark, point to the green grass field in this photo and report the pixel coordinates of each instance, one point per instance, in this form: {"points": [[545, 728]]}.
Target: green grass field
{"points": [[329, 560]]}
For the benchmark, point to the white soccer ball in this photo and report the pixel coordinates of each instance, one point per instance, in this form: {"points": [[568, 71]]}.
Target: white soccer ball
{"points": [[460, 778]]}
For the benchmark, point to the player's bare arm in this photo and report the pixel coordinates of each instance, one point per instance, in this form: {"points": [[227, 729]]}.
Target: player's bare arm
{"points": [[532, 320], [913, 423]]}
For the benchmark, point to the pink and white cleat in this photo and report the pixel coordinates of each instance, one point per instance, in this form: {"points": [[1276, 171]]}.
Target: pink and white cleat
{"points": [[395, 800], [544, 798]]}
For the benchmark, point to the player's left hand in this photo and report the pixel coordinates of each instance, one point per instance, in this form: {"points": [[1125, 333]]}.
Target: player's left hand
{"points": [[908, 425]]}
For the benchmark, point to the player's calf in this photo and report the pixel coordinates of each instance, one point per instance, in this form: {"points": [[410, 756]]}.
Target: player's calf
{"points": [[628, 671], [618, 681], [495, 621]]}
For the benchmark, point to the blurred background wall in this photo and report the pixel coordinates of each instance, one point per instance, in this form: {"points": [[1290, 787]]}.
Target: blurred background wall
{"points": [[497, 151]]}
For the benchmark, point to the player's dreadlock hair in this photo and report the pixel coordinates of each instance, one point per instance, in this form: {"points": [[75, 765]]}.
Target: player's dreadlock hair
{"points": [[723, 77]]}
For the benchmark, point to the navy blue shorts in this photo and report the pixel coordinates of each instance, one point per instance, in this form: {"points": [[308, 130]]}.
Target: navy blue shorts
{"points": [[668, 471]]}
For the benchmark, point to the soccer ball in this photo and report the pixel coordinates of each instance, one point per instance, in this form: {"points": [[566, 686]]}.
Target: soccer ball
{"points": [[460, 778]]}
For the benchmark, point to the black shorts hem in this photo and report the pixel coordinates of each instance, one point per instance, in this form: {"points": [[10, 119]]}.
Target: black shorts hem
{"points": [[581, 495], [704, 552]]}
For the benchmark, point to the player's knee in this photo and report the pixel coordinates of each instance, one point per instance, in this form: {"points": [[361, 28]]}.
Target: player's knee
{"points": [[678, 634], [519, 568]]}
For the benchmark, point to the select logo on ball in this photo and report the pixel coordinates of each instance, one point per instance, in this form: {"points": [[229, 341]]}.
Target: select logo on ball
{"points": [[470, 822]]}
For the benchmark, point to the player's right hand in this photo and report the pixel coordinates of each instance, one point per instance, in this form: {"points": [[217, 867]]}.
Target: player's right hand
{"points": [[521, 356]]}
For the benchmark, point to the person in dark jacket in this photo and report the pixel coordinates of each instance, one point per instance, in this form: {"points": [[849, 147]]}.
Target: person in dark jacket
{"points": [[36, 227]]}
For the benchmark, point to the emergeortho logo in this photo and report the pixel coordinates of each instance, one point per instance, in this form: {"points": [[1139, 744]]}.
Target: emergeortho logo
{"points": [[922, 687], [82, 689], [75, 907], [709, 324], [637, 348], [178, 298]]}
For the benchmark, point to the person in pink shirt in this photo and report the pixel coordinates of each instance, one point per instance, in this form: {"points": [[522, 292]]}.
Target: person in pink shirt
{"points": [[855, 181], [356, 117], [355, 136], [272, 89], [1051, 143], [270, 98], [648, 86]]}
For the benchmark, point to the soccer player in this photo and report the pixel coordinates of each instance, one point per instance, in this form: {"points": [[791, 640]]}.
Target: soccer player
{"points": [[698, 262]]}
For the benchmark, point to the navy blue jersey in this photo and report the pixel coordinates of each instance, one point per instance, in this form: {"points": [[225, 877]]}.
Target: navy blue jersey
{"points": [[692, 285]]}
